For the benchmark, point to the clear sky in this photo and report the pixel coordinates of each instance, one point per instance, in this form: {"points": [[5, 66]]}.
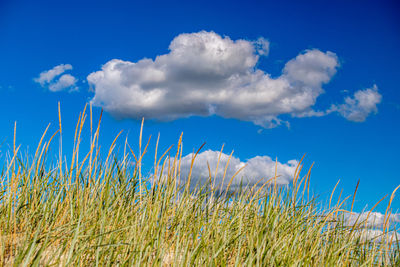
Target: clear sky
{"points": [[269, 79]]}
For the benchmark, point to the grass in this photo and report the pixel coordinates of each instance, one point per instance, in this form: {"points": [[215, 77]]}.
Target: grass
{"points": [[101, 212]]}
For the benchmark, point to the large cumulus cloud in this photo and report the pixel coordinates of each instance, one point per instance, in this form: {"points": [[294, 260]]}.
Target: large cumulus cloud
{"points": [[205, 74]]}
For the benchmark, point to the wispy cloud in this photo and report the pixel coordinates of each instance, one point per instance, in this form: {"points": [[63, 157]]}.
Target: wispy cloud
{"points": [[52, 80]]}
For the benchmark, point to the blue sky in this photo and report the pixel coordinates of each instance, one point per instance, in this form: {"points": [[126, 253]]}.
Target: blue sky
{"points": [[345, 49]]}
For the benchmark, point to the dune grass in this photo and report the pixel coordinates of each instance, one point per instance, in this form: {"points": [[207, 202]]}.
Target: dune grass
{"points": [[102, 212]]}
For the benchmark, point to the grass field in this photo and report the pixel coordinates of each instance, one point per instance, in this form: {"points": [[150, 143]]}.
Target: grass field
{"points": [[103, 212]]}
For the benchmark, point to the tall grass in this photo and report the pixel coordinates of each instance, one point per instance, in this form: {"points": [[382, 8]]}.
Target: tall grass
{"points": [[96, 212]]}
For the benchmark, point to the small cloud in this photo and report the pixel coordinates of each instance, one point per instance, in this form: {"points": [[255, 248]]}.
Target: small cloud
{"points": [[360, 106], [310, 113], [47, 76], [65, 81], [49, 79], [255, 169], [262, 46], [356, 108]]}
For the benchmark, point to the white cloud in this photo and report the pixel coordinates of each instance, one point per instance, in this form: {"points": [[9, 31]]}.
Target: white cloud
{"points": [[311, 69], [49, 75], [369, 225], [262, 46], [370, 220], [65, 81], [360, 106], [48, 79], [205, 74], [256, 168], [356, 108], [378, 235]]}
